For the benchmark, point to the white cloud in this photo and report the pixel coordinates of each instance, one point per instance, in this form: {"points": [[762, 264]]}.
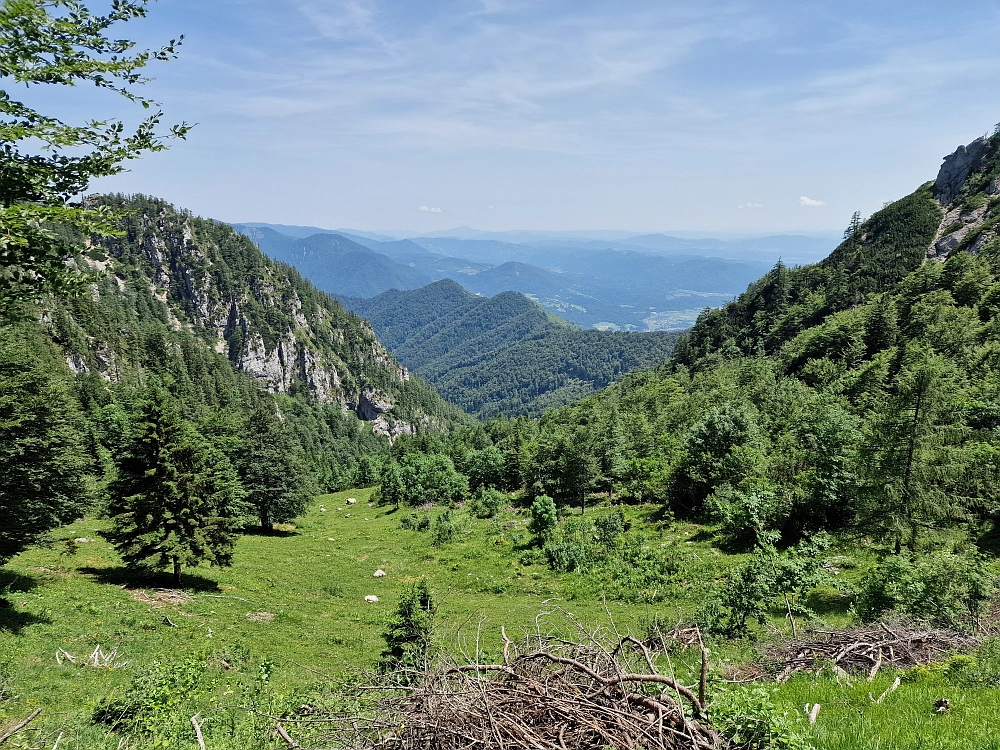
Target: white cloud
{"points": [[803, 201], [432, 210], [751, 205]]}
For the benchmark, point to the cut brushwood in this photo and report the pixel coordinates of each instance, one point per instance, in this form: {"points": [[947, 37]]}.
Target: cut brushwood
{"points": [[546, 693]]}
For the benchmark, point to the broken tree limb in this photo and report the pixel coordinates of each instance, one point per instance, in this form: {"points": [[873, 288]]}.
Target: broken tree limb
{"points": [[197, 731], [19, 726]]}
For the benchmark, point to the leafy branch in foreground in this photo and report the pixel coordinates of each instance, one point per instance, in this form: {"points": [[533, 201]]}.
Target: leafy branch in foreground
{"points": [[45, 162]]}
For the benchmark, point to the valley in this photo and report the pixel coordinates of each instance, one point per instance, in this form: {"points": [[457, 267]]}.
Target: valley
{"points": [[273, 486], [747, 480], [644, 283]]}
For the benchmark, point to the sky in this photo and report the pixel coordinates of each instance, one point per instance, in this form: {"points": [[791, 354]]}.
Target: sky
{"points": [[706, 115]]}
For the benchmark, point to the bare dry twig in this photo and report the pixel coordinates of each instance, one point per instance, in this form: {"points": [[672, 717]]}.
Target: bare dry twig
{"points": [[547, 694]]}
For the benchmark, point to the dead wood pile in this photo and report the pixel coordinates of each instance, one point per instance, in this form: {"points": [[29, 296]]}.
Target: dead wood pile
{"points": [[546, 693], [860, 650]]}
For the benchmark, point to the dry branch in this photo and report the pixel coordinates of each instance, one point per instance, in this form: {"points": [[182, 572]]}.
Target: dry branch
{"points": [[864, 650], [19, 726], [547, 694]]}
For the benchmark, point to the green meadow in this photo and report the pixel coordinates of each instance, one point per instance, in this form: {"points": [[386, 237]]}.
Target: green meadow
{"points": [[290, 618]]}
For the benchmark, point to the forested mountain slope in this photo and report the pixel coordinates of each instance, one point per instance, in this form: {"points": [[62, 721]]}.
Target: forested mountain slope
{"points": [[502, 354], [191, 305], [861, 392]]}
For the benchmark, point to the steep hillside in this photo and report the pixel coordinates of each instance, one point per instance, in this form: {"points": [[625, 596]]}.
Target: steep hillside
{"points": [[858, 393], [191, 303], [502, 354]]}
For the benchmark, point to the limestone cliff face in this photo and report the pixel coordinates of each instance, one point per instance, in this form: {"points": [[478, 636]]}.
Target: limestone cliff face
{"points": [[968, 189], [204, 278]]}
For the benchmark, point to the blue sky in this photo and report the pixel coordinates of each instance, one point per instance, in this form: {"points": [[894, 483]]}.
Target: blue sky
{"points": [[703, 115]]}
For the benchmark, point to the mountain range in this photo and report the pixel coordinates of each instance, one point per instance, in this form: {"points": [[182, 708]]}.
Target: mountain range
{"points": [[655, 283]]}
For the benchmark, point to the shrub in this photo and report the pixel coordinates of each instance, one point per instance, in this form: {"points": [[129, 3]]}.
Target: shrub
{"points": [[445, 529], [413, 522], [543, 517], [745, 513], [488, 502], [641, 570], [567, 556], [748, 716], [153, 703], [608, 528], [946, 588]]}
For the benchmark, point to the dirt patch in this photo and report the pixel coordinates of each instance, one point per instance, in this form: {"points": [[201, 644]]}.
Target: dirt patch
{"points": [[260, 616], [160, 597]]}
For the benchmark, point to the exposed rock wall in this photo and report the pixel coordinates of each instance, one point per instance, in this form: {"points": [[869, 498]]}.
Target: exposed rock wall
{"points": [[254, 314], [968, 189]]}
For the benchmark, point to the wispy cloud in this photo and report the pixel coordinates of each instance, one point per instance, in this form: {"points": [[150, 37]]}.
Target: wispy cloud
{"points": [[643, 114]]}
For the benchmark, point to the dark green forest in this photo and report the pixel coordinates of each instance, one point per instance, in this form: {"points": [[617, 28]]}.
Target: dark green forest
{"points": [[503, 354]]}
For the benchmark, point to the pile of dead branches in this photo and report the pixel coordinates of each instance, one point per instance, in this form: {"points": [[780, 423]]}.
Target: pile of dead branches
{"points": [[546, 693], [860, 650]]}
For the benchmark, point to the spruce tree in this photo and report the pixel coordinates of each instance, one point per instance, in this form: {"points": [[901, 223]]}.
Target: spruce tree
{"points": [[43, 460], [175, 499]]}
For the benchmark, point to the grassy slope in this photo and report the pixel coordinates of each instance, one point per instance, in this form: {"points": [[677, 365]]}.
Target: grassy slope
{"points": [[314, 581]]}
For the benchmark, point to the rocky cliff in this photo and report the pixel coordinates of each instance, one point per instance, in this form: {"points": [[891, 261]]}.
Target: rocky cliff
{"points": [[968, 189], [202, 278]]}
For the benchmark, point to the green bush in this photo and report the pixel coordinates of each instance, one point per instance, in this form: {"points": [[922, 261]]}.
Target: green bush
{"points": [[745, 514], [543, 517], [413, 522], [946, 588], [641, 570], [747, 715], [154, 704], [608, 528], [445, 529], [487, 502], [567, 556]]}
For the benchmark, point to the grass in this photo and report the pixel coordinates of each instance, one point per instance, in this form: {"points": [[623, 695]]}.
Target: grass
{"points": [[292, 606]]}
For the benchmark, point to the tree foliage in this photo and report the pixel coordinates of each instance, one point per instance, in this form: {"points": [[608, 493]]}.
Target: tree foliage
{"points": [[43, 457], [45, 162], [175, 500]]}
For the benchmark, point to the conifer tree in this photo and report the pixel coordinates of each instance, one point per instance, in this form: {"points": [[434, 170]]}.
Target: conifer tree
{"points": [[275, 480], [391, 490], [43, 460], [905, 457], [408, 637], [175, 500]]}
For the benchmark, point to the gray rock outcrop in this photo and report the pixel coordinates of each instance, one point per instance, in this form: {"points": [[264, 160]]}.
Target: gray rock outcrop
{"points": [[956, 169]]}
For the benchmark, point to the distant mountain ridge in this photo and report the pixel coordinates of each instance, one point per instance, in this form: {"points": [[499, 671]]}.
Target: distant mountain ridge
{"points": [[505, 353], [622, 287]]}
